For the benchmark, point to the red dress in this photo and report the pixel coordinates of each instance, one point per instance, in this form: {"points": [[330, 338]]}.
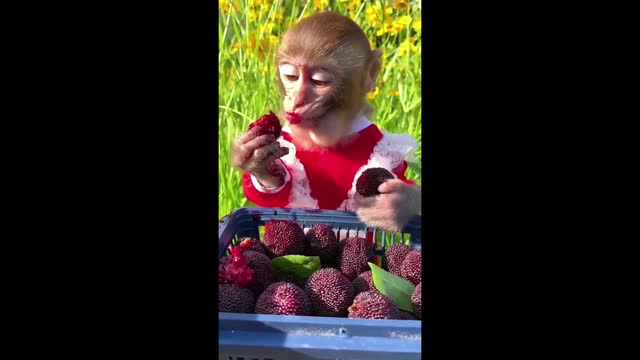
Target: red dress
{"points": [[326, 179]]}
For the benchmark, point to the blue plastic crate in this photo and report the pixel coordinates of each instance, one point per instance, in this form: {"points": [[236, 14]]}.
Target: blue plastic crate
{"points": [[277, 337]]}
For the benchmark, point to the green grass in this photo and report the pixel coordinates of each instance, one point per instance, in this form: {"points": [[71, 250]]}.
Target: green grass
{"points": [[247, 85]]}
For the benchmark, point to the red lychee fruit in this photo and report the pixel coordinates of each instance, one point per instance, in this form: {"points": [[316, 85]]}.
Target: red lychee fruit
{"points": [[269, 123]]}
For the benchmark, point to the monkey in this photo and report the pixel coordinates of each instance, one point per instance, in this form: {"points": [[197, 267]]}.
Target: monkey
{"points": [[325, 67]]}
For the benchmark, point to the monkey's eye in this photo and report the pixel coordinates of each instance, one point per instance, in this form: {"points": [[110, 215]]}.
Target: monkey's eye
{"points": [[291, 77], [320, 82]]}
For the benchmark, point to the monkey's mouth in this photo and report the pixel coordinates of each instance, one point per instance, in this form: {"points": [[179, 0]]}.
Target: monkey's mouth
{"points": [[294, 118]]}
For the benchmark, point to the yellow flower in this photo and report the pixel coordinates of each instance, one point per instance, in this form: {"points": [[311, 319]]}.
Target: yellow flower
{"points": [[273, 40], [320, 4], [229, 6], [253, 15], [265, 69], [394, 93], [264, 10], [268, 28], [388, 11], [374, 14], [407, 47], [391, 27], [404, 20], [372, 95], [234, 48], [353, 5], [343, 1], [417, 24], [277, 15], [381, 31], [401, 4], [254, 3]]}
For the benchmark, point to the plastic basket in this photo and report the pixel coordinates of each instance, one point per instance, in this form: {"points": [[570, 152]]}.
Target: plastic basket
{"points": [[276, 337]]}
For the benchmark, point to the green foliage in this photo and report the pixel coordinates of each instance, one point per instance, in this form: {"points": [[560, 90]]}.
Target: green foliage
{"points": [[392, 286]]}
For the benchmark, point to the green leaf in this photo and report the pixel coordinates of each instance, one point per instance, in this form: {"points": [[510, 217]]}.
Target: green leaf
{"points": [[300, 265], [392, 286]]}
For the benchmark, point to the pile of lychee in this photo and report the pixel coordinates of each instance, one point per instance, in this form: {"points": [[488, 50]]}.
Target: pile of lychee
{"points": [[339, 285]]}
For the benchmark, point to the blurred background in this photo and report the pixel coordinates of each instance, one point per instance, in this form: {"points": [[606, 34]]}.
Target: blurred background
{"points": [[249, 31]]}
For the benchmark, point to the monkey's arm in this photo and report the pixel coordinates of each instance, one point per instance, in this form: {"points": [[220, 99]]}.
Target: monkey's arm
{"points": [[397, 203], [262, 196]]}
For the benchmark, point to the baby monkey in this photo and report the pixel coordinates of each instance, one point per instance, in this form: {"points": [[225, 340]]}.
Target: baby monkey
{"points": [[325, 68]]}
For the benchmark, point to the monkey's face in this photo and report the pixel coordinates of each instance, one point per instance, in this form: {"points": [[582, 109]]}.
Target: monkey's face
{"points": [[309, 92]]}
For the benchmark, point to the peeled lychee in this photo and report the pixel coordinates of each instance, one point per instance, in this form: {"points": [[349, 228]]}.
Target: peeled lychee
{"points": [[369, 181], [269, 123], [234, 269]]}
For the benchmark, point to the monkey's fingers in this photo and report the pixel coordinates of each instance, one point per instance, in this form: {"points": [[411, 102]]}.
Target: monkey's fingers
{"points": [[262, 154], [276, 154], [391, 186], [364, 203], [259, 142], [249, 135]]}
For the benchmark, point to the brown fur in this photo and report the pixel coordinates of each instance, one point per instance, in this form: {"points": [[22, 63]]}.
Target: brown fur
{"points": [[336, 43]]}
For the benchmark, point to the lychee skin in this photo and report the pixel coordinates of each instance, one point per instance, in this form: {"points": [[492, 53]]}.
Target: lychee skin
{"points": [[269, 123], [412, 267], [373, 305], [290, 278], [263, 274], [330, 292], [370, 179], [416, 301], [321, 241], [363, 282], [283, 298], [253, 244], [283, 237], [405, 315], [232, 298], [393, 257], [354, 254]]}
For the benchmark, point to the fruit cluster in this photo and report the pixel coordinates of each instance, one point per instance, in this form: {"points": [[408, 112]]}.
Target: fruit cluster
{"points": [[293, 273]]}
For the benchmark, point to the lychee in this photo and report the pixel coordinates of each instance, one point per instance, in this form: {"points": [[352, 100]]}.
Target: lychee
{"points": [[369, 181]]}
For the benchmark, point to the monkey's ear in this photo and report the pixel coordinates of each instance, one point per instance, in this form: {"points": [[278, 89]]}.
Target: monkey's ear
{"points": [[373, 69]]}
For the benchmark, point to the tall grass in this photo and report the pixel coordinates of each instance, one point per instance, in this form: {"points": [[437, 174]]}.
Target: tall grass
{"points": [[249, 31]]}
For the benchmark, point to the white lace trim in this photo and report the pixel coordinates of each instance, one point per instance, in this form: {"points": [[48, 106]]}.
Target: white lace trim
{"points": [[267, 190], [300, 196], [389, 153]]}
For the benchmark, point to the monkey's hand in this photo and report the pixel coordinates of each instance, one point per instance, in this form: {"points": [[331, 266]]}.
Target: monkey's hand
{"points": [[397, 203], [255, 152]]}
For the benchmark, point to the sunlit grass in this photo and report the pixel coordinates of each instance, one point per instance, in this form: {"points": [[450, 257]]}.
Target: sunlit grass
{"points": [[249, 31]]}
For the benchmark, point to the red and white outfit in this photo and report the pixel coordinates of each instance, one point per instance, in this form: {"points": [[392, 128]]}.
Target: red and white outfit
{"points": [[326, 179]]}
